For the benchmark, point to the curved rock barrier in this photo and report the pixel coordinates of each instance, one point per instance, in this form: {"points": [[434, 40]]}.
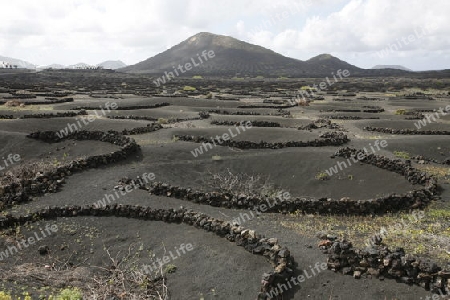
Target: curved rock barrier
{"points": [[52, 100], [324, 206], [224, 98], [56, 100], [407, 131], [267, 106], [49, 101], [279, 257], [170, 95], [418, 96], [372, 106], [254, 123], [57, 94], [340, 117], [374, 111], [377, 110], [418, 116], [46, 116], [340, 110], [238, 113], [420, 159], [133, 107], [343, 99], [414, 176], [369, 98], [415, 199], [140, 130], [147, 118], [380, 262], [51, 181], [321, 123], [55, 115], [19, 96], [132, 117], [327, 139]]}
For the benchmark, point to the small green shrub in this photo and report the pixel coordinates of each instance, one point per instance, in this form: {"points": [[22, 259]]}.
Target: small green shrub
{"points": [[189, 88], [70, 294], [5, 296], [163, 121], [170, 269], [322, 176], [402, 154]]}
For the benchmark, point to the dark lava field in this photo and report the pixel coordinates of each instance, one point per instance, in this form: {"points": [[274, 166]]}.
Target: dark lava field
{"points": [[224, 188]]}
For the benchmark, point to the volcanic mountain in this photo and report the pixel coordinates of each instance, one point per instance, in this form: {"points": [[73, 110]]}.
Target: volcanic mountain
{"points": [[234, 57]]}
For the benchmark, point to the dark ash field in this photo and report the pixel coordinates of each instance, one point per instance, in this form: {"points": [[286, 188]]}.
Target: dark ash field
{"points": [[200, 197]]}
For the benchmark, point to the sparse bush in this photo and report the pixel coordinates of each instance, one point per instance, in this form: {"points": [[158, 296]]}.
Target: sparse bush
{"points": [[302, 102], [5, 296], [28, 171], [402, 154], [70, 294], [242, 183], [189, 88], [163, 121], [125, 280], [322, 176], [170, 268], [400, 111], [197, 77], [14, 103]]}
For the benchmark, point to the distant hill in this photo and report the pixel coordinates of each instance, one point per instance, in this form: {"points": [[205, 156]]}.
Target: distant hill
{"points": [[395, 67], [80, 65], [327, 62], [19, 63], [52, 66], [109, 64], [236, 58], [112, 64]]}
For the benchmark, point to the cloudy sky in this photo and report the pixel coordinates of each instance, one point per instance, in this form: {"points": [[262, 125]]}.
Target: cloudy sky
{"points": [[413, 33]]}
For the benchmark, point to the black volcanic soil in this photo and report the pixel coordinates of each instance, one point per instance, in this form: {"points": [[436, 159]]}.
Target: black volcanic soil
{"points": [[216, 268]]}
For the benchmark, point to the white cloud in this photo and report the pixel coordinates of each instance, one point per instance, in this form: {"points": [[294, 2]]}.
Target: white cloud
{"points": [[53, 31]]}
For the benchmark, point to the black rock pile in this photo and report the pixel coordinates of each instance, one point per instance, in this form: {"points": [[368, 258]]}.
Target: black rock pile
{"points": [[254, 123], [327, 139], [407, 131], [378, 261]]}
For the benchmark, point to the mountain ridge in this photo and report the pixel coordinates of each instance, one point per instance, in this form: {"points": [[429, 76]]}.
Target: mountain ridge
{"points": [[18, 62], [234, 57]]}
